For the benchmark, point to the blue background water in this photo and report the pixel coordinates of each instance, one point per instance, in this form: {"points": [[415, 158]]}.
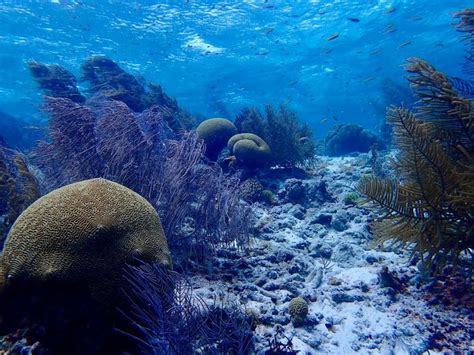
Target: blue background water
{"points": [[216, 57]]}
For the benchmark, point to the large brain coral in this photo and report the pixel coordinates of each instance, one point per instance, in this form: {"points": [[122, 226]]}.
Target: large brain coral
{"points": [[215, 132], [83, 234], [250, 149]]}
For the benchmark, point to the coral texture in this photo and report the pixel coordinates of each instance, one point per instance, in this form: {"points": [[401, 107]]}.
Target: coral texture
{"points": [[250, 150], [215, 132], [298, 309], [83, 234]]}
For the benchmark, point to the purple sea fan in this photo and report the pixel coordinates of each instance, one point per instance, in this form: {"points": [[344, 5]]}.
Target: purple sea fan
{"points": [[199, 206], [121, 144], [168, 317], [200, 198], [70, 153]]}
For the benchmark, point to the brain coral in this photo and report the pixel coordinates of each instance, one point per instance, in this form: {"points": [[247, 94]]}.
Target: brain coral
{"points": [[250, 149], [83, 234], [298, 309], [215, 132]]}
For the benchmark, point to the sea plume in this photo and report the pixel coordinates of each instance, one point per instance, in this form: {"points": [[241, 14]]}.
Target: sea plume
{"points": [[431, 206]]}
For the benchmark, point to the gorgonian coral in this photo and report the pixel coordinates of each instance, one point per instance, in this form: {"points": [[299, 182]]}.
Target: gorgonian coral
{"points": [[169, 318], [199, 205], [290, 142], [431, 207]]}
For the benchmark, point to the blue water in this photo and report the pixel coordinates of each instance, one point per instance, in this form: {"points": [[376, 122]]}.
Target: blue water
{"points": [[216, 57]]}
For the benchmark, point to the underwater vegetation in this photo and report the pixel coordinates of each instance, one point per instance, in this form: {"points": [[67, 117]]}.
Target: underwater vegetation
{"points": [[107, 139], [431, 205], [171, 319], [289, 141]]}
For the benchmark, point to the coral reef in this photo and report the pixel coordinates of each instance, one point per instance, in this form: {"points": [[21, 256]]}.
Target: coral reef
{"points": [[83, 221], [251, 190], [55, 81], [250, 150], [249, 119], [347, 138], [108, 80], [18, 188], [172, 319], [431, 206], [68, 250], [199, 205], [298, 309], [215, 132], [290, 142]]}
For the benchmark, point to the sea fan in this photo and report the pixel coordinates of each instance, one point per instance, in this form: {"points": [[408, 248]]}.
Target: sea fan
{"points": [[199, 205], [169, 318]]}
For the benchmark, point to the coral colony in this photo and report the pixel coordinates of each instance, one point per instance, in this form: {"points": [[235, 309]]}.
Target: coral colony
{"points": [[131, 226]]}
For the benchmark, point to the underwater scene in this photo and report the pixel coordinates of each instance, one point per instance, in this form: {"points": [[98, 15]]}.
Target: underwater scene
{"points": [[271, 177]]}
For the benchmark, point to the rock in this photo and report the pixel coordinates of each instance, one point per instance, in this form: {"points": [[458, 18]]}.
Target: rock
{"points": [[322, 218], [294, 190], [297, 211], [340, 297], [340, 221]]}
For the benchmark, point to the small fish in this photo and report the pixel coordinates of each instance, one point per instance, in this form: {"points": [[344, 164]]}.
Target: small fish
{"points": [[323, 121], [268, 30], [416, 18], [366, 80], [293, 82], [390, 10], [389, 29], [353, 19], [404, 44], [333, 37], [375, 51]]}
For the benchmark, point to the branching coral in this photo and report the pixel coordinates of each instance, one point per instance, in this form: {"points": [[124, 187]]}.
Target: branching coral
{"points": [[432, 206], [199, 206], [171, 319]]}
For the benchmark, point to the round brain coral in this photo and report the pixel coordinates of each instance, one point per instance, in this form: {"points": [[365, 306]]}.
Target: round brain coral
{"points": [[298, 309], [250, 149], [83, 235], [215, 132]]}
